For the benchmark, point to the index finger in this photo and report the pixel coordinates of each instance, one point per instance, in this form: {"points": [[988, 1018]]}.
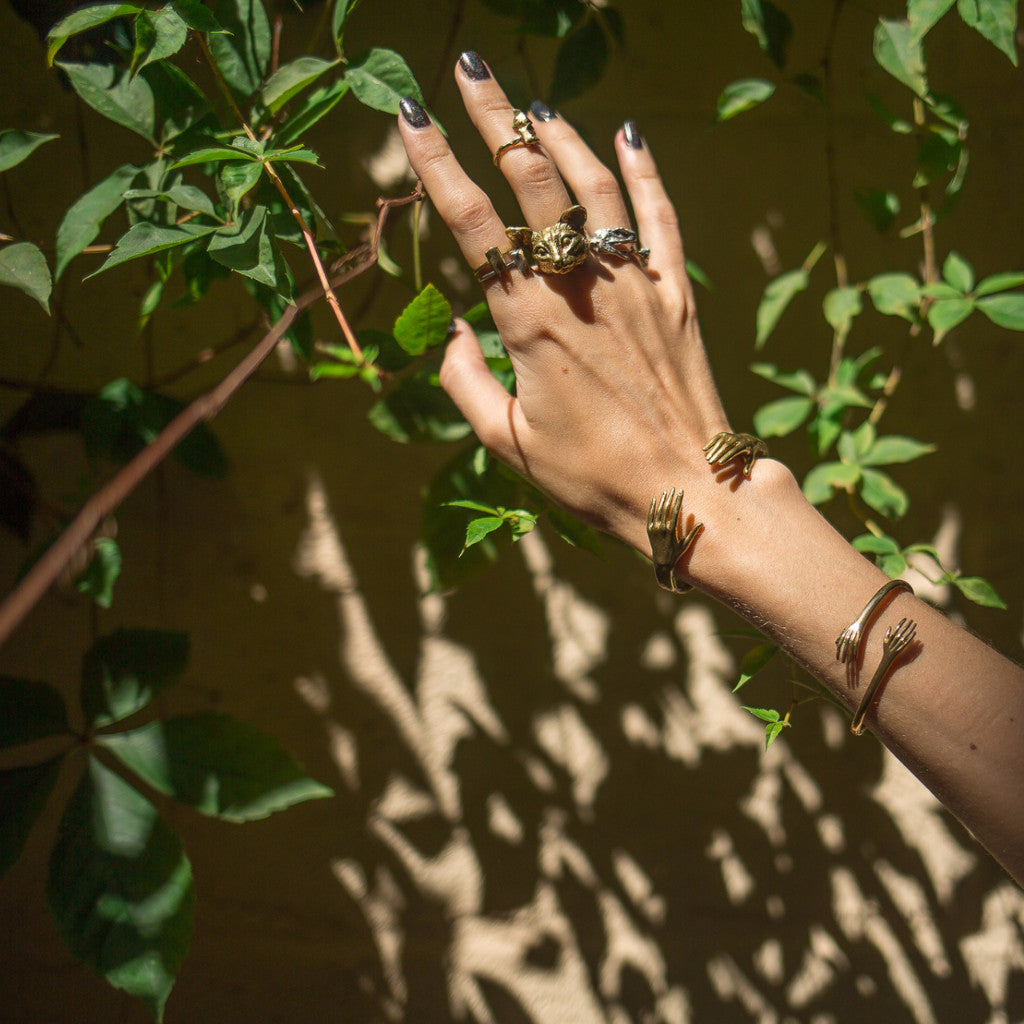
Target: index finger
{"points": [[462, 204]]}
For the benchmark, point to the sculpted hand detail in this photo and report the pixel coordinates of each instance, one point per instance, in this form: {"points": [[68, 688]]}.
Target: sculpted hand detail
{"points": [[664, 525], [726, 446]]}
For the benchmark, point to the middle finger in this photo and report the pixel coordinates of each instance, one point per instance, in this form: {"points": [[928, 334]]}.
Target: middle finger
{"points": [[529, 170]]}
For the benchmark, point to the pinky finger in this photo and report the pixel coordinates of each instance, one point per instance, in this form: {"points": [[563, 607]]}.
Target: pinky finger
{"points": [[655, 215]]}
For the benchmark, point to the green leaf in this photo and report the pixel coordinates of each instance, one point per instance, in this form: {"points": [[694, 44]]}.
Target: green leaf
{"points": [[945, 314], [213, 154], [895, 294], [840, 306], [769, 25], [122, 419], [83, 20], [999, 283], [823, 479], [16, 145], [996, 20], [1005, 310], [898, 50], [800, 380], [113, 93], [29, 710], [246, 247], [101, 573], [478, 529], [316, 106], [958, 272], [742, 95], [923, 14], [242, 51], [379, 78], [145, 238], [782, 417], [880, 207], [238, 180], [122, 672], [895, 449], [580, 63], [573, 532], [978, 590], [196, 16], [939, 155], [753, 661], [288, 81], [772, 731], [470, 475], [777, 296], [84, 218], [23, 795], [339, 16], [158, 35], [869, 544], [423, 324], [120, 888], [216, 764], [418, 410], [23, 266], [883, 494]]}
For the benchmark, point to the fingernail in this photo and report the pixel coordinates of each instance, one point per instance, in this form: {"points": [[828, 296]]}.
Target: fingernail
{"points": [[632, 135], [473, 66], [542, 111], [415, 116]]}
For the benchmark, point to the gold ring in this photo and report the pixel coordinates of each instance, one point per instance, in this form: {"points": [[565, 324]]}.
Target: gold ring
{"points": [[525, 135]]}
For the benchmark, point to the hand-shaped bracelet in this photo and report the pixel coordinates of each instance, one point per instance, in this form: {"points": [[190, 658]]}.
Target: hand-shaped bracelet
{"points": [[897, 639], [848, 642], [667, 544]]}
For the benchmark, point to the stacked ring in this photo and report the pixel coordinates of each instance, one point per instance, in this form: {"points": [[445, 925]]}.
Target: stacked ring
{"points": [[525, 135], [498, 262]]}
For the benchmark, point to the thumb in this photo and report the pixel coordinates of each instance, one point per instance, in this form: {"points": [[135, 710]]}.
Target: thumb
{"points": [[487, 406]]}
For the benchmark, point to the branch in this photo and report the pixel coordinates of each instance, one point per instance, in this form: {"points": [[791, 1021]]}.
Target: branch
{"points": [[27, 594]]}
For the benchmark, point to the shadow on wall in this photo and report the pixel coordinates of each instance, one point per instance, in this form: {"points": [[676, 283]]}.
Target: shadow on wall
{"points": [[594, 834]]}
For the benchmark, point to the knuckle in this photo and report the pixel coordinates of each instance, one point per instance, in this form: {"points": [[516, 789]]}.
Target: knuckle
{"points": [[471, 213], [601, 184]]}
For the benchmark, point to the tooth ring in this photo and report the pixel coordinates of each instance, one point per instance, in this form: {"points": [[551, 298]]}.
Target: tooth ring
{"points": [[525, 135]]}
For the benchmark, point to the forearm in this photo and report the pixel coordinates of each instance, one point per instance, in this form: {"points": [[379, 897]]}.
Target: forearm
{"points": [[952, 709]]}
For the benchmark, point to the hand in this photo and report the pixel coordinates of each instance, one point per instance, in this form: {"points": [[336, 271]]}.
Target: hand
{"points": [[614, 397]]}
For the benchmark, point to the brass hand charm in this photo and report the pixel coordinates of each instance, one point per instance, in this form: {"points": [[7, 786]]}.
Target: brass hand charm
{"points": [[664, 524], [726, 446], [895, 642]]}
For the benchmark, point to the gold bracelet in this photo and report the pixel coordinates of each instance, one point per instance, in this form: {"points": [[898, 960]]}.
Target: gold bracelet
{"points": [[848, 642], [895, 643]]}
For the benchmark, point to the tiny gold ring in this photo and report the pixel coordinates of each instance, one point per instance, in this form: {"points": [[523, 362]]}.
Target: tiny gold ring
{"points": [[525, 135]]}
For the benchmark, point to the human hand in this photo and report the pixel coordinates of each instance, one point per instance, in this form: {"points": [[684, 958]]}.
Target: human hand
{"points": [[614, 396]]}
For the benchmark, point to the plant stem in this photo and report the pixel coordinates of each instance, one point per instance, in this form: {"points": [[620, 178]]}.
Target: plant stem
{"points": [[314, 255], [832, 178], [80, 531]]}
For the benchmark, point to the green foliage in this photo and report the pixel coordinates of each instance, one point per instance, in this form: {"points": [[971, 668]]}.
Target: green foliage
{"points": [[120, 884], [841, 413]]}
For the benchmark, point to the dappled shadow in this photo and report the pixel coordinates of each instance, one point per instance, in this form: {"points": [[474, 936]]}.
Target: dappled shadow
{"points": [[568, 818]]}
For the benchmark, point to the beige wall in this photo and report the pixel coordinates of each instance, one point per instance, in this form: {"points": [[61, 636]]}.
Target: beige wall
{"points": [[548, 804]]}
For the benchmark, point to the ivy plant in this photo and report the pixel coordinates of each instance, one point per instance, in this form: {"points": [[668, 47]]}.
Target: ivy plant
{"points": [[841, 406]]}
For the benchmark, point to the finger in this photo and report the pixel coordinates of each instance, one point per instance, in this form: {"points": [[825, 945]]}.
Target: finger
{"points": [[539, 189], [655, 215], [489, 409], [593, 184], [462, 204]]}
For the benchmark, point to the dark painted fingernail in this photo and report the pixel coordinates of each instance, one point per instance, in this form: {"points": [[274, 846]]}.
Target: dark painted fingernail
{"points": [[474, 67], [632, 135], [542, 111], [415, 116], [452, 328]]}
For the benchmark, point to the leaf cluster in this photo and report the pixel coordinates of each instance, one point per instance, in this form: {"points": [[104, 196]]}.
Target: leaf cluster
{"points": [[120, 884]]}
